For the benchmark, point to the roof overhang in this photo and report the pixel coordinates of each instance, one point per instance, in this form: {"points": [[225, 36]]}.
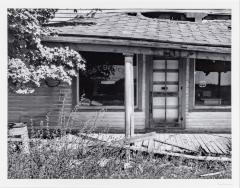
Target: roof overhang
{"points": [[119, 45]]}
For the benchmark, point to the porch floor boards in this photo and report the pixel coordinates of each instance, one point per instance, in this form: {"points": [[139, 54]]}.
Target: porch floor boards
{"points": [[209, 144]]}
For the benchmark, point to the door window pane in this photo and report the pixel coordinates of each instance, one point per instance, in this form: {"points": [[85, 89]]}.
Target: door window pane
{"points": [[212, 83]]}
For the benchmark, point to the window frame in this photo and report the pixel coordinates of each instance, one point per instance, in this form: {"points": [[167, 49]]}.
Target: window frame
{"points": [[191, 89], [137, 107]]}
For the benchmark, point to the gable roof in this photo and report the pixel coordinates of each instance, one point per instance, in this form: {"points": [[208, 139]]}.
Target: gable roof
{"points": [[66, 14], [124, 26]]}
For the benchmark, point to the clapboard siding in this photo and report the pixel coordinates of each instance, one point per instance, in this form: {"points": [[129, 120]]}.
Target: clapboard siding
{"points": [[47, 99], [44, 99], [204, 120], [107, 119]]}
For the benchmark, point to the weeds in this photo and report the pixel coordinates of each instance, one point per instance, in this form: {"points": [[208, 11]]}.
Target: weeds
{"points": [[74, 156], [71, 154]]}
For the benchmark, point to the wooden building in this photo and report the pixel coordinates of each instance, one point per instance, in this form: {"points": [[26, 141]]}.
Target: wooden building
{"points": [[176, 74]]}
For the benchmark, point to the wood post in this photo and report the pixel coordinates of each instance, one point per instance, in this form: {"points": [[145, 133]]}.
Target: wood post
{"points": [[129, 96]]}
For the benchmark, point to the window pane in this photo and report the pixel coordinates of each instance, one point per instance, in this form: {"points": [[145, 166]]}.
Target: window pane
{"points": [[103, 82], [212, 83]]}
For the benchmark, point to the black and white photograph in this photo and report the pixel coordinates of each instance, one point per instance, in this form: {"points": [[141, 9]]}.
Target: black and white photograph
{"points": [[120, 93]]}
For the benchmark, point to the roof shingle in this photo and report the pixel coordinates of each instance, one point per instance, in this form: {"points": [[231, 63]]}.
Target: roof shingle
{"points": [[121, 25]]}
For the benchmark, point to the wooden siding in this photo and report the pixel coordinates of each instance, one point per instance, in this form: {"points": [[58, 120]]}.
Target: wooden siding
{"points": [[47, 99], [115, 119], [107, 120], [44, 99], [204, 120]]}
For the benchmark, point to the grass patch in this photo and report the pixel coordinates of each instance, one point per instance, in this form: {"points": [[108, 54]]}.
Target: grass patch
{"points": [[67, 156]]}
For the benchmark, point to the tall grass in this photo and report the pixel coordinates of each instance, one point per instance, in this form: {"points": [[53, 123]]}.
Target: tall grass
{"points": [[68, 153]]}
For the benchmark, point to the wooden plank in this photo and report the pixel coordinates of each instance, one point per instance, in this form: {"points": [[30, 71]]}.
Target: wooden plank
{"points": [[196, 142], [163, 107], [178, 138], [228, 136], [203, 144], [223, 142], [202, 158], [137, 138], [141, 82], [129, 94], [210, 142], [172, 144], [158, 144], [145, 143], [148, 64], [167, 137], [165, 82], [174, 141], [187, 141], [191, 89], [217, 144], [151, 145]]}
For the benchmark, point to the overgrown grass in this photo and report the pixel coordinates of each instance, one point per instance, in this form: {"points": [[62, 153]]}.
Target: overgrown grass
{"points": [[68, 154], [72, 156]]}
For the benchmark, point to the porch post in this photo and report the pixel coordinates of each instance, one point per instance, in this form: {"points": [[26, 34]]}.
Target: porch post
{"points": [[129, 96]]}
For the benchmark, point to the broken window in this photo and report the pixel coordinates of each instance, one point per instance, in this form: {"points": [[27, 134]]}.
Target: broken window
{"points": [[102, 84], [212, 83]]}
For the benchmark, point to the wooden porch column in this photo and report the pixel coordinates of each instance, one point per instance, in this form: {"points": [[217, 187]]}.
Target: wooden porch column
{"points": [[129, 96]]}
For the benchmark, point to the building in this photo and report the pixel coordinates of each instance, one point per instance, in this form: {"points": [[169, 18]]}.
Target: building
{"points": [[156, 74]]}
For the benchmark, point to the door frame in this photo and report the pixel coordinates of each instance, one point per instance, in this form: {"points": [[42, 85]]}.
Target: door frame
{"points": [[181, 93]]}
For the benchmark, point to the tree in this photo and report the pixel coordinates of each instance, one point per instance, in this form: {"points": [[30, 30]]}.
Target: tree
{"points": [[29, 61]]}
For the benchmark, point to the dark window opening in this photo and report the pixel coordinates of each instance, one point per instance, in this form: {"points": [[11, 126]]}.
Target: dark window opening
{"points": [[217, 17], [212, 83], [168, 16], [102, 84]]}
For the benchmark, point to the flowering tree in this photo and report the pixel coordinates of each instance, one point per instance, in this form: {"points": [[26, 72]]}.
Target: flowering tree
{"points": [[29, 61]]}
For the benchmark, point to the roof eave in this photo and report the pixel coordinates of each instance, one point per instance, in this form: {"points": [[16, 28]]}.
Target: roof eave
{"points": [[138, 43]]}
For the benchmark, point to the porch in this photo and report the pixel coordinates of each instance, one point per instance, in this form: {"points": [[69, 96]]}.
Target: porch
{"points": [[195, 145]]}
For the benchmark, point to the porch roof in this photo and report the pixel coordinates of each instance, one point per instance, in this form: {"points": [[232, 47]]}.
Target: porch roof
{"points": [[124, 26]]}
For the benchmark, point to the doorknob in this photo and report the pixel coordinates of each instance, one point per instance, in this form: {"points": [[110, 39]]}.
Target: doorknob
{"points": [[164, 88]]}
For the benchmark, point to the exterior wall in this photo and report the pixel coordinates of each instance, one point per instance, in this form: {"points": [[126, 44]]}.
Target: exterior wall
{"points": [[107, 120], [47, 99], [44, 99], [216, 121], [115, 119]]}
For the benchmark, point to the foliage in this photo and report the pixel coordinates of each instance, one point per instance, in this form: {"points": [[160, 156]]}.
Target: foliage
{"points": [[69, 156], [29, 61]]}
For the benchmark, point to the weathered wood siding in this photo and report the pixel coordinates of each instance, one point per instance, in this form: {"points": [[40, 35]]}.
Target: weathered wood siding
{"points": [[110, 119], [107, 120], [47, 99], [207, 120], [43, 100]]}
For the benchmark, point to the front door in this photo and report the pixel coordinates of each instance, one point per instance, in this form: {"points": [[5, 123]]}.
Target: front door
{"points": [[165, 93]]}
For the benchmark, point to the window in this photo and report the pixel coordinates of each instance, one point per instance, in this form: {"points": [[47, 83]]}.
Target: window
{"points": [[212, 83], [103, 82]]}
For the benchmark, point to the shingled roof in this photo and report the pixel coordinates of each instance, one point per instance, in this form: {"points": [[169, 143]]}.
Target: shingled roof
{"points": [[125, 26]]}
